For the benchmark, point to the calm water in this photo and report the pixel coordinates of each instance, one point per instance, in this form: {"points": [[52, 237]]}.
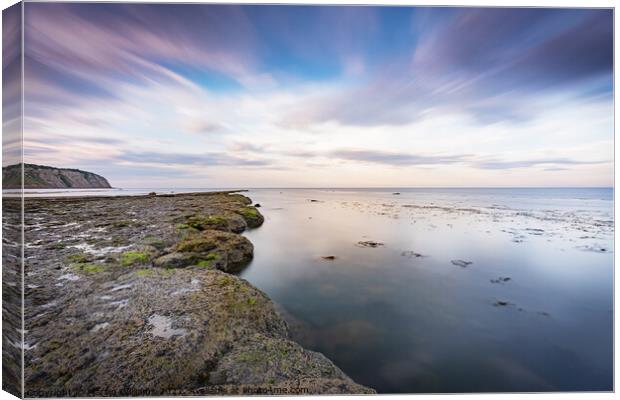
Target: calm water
{"points": [[401, 323]]}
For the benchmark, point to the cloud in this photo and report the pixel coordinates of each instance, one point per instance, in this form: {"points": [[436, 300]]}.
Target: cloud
{"points": [[86, 48], [534, 163], [239, 90], [243, 146], [390, 158], [204, 126], [180, 159], [409, 159], [489, 63]]}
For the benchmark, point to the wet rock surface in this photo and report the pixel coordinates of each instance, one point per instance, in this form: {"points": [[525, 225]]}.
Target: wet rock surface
{"points": [[133, 295], [11, 295]]}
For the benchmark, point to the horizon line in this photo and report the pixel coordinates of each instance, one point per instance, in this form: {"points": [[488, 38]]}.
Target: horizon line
{"points": [[350, 187]]}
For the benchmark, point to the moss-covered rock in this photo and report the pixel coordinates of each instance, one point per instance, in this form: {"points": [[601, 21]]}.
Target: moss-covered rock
{"points": [[79, 258], [88, 267], [146, 307], [226, 221], [175, 260], [278, 362], [130, 258], [155, 242], [225, 251], [252, 216]]}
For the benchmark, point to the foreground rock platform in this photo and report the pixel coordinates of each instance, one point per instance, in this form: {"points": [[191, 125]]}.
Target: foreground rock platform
{"points": [[136, 296]]}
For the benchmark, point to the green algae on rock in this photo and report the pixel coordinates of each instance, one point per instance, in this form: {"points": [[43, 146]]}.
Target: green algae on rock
{"points": [[125, 302]]}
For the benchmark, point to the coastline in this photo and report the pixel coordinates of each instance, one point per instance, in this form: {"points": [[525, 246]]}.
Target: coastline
{"points": [[137, 294]]}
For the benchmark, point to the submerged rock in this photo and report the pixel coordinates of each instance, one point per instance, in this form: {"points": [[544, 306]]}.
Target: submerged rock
{"points": [[328, 257], [411, 254], [594, 248], [369, 243], [461, 263]]}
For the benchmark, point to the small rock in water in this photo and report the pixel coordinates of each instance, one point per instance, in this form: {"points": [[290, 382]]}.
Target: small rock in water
{"points": [[461, 263], [369, 243], [257, 205], [595, 248], [396, 193], [411, 254], [313, 201], [328, 257], [501, 303], [501, 279]]}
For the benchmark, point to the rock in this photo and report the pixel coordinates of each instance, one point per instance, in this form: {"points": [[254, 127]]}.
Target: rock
{"points": [[257, 205], [411, 254], [174, 260], [252, 217], [501, 303], [544, 313], [501, 280], [369, 243], [313, 201], [461, 263], [328, 257], [152, 194], [225, 251], [157, 315], [227, 221], [396, 193], [593, 248], [281, 362]]}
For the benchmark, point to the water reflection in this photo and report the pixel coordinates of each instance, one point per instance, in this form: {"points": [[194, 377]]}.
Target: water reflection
{"points": [[402, 317]]}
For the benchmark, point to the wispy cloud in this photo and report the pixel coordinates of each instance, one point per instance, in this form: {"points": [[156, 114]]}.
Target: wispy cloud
{"points": [[391, 158], [535, 163], [224, 93], [181, 159], [489, 63]]}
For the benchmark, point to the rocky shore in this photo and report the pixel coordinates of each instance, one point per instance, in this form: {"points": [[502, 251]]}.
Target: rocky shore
{"points": [[137, 296]]}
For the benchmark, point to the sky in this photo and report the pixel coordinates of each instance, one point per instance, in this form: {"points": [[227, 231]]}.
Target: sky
{"points": [[189, 95]]}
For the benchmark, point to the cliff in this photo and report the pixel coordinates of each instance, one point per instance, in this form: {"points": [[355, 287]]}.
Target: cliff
{"points": [[43, 177]]}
